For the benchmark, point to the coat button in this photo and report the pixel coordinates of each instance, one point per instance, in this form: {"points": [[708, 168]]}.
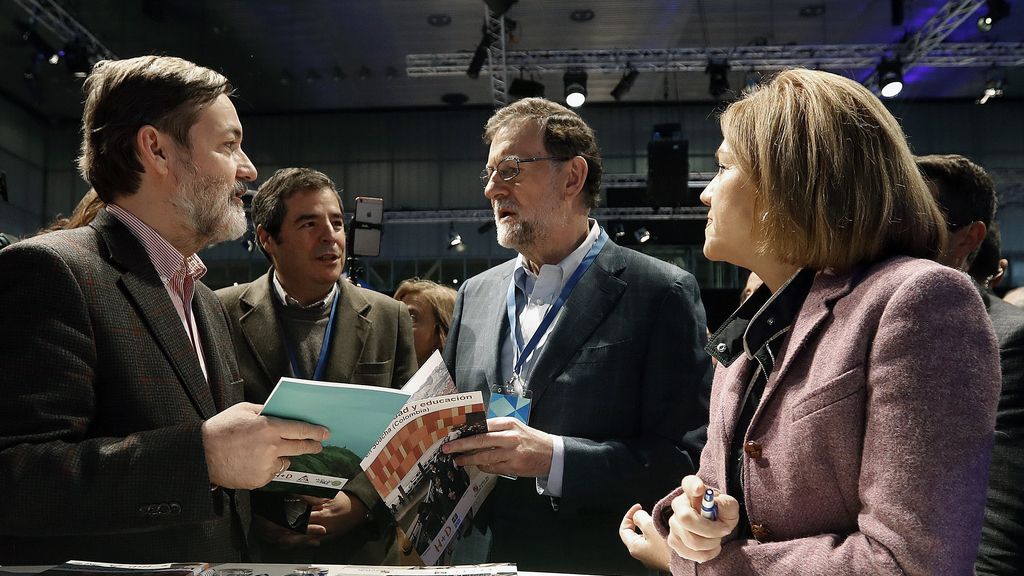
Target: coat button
{"points": [[752, 449], [761, 532], [721, 347]]}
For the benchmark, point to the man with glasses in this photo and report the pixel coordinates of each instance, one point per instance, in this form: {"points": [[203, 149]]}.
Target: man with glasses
{"points": [[605, 343]]}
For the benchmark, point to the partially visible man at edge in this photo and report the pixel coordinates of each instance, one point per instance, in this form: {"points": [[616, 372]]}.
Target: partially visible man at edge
{"points": [[121, 433], [967, 195]]}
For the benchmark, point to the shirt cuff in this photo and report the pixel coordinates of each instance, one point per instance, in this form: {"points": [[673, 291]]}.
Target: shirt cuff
{"points": [[551, 485]]}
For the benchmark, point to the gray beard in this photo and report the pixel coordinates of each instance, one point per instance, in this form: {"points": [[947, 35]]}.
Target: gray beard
{"points": [[518, 234], [205, 204]]}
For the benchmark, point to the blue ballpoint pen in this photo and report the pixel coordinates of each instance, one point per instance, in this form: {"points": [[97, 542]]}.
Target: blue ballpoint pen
{"points": [[708, 508]]}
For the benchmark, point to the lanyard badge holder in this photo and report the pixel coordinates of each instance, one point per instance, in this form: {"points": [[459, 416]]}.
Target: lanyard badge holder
{"points": [[513, 398]]}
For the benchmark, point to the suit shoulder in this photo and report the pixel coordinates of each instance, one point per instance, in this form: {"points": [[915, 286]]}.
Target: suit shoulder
{"points": [[230, 294], [924, 275], [490, 275], [75, 250], [653, 269], [1008, 322], [377, 299], [68, 244]]}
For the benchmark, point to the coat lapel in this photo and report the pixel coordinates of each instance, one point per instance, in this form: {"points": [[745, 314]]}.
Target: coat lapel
{"points": [[351, 329], [150, 299], [817, 308], [207, 308], [497, 325], [261, 331], [590, 302]]}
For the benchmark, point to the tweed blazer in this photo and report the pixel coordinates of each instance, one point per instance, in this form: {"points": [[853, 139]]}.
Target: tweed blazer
{"points": [[101, 402], [873, 434], [1002, 534], [623, 378]]}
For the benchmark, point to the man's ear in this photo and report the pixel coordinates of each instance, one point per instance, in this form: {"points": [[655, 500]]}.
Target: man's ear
{"points": [[266, 241], [151, 147], [578, 170], [965, 242]]}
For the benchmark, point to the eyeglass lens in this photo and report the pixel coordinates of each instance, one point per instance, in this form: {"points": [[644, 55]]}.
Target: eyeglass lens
{"points": [[507, 169]]}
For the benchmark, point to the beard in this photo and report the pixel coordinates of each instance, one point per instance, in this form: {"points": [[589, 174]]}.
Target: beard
{"points": [[526, 231], [206, 204]]}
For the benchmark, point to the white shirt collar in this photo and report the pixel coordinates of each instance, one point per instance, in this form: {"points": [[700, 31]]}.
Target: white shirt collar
{"points": [[551, 278], [287, 300]]}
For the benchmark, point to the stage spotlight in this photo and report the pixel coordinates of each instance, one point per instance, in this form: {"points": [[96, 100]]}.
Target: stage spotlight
{"points": [[575, 87], [642, 235], [718, 81], [995, 10], [455, 239], [78, 58], [890, 77], [993, 86], [625, 83], [618, 231], [523, 88]]}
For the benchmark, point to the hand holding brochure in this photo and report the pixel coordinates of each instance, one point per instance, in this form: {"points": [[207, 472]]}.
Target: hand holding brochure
{"points": [[356, 416], [394, 436]]}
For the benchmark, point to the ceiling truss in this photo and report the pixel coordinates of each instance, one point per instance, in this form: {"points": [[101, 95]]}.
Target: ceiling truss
{"points": [[828, 57]]}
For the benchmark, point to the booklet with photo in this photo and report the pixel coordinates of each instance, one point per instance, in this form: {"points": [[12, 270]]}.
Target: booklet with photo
{"points": [[356, 416], [394, 436], [430, 497]]}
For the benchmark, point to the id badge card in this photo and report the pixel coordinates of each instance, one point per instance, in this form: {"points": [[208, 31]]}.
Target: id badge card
{"points": [[511, 399]]}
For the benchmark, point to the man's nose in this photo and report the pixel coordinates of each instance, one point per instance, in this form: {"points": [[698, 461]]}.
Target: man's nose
{"points": [[246, 171], [495, 187]]}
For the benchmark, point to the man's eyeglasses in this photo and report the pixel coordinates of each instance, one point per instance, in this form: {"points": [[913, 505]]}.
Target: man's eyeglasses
{"points": [[508, 168]]}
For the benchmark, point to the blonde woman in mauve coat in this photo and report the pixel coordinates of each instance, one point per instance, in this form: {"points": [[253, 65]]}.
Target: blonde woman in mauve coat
{"points": [[853, 407]]}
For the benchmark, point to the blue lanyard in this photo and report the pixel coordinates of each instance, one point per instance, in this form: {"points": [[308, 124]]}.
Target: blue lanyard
{"points": [[321, 363], [545, 323]]}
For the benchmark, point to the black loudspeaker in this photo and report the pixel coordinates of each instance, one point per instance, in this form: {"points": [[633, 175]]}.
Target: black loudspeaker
{"points": [[668, 169]]}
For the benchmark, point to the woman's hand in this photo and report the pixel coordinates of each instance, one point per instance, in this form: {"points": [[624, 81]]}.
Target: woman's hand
{"points": [[647, 545], [692, 536]]}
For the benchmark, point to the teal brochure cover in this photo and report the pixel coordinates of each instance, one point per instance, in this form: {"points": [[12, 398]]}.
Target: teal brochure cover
{"points": [[355, 415]]}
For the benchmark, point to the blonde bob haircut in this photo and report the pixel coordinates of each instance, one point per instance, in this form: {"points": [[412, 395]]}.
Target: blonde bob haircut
{"points": [[834, 180]]}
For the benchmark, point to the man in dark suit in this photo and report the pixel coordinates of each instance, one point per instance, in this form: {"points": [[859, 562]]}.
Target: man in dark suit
{"points": [[302, 319], [619, 379], [968, 197], [121, 434]]}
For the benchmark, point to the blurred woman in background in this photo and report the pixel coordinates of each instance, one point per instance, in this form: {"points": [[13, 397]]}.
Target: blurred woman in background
{"points": [[430, 305]]}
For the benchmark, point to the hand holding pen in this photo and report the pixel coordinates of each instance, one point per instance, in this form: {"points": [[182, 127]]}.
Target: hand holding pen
{"points": [[701, 517]]}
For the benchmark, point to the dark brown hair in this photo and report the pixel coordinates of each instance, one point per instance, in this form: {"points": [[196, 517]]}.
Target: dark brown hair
{"points": [[565, 134], [122, 96], [268, 207]]}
